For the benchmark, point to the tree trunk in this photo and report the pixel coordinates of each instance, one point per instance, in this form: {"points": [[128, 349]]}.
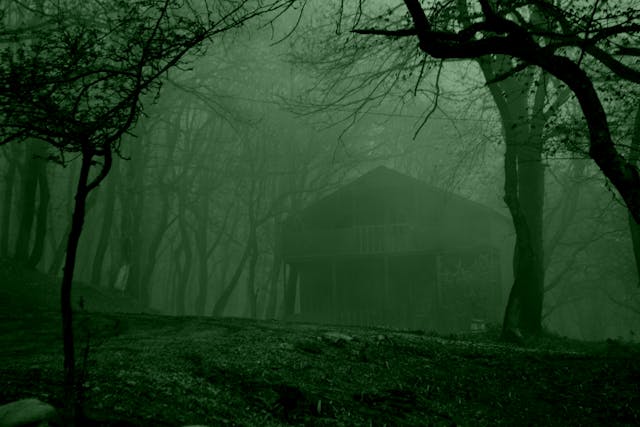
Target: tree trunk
{"points": [[634, 230], [513, 312], [127, 234], [72, 405], [163, 224], [132, 205], [251, 277], [634, 227], [222, 301], [274, 274], [531, 198], [29, 179], [41, 216], [200, 236], [289, 302], [105, 231], [7, 202], [208, 252], [524, 193], [156, 240], [172, 273], [70, 388], [184, 265], [59, 251], [274, 278], [222, 274]]}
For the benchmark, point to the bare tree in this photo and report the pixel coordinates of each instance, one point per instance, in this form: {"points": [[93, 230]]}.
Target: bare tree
{"points": [[79, 81], [565, 42], [557, 46]]}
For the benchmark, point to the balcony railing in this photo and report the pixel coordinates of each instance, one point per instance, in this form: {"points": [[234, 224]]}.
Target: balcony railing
{"points": [[373, 239]]}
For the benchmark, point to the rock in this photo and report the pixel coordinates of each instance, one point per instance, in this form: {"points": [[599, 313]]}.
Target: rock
{"points": [[337, 338], [27, 412]]}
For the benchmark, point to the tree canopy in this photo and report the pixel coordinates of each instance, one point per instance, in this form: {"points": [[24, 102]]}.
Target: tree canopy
{"points": [[557, 41]]}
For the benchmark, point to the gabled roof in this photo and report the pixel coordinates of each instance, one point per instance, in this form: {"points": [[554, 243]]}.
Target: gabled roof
{"points": [[383, 178]]}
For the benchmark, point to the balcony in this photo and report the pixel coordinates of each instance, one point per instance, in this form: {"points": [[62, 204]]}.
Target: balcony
{"points": [[360, 240]]}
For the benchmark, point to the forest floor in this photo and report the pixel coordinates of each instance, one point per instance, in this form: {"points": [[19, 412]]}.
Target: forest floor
{"points": [[152, 370]]}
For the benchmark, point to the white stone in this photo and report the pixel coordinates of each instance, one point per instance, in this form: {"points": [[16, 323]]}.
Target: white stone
{"points": [[26, 412]]}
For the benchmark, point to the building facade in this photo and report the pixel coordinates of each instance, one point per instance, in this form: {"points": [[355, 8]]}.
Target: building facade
{"points": [[390, 250]]}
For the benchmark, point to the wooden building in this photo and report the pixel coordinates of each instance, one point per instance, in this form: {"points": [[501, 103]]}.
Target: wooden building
{"points": [[390, 250]]}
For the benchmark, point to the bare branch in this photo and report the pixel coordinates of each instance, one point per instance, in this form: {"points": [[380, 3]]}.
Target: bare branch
{"points": [[388, 33], [435, 101], [621, 70]]}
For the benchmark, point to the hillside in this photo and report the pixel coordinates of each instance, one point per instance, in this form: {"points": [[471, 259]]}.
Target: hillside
{"points": [[27, 291], [150, 370]]}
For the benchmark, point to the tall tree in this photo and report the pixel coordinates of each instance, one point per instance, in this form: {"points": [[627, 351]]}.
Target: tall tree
{"points": [[522, 101], [563, 41], [78, 81], [558, 47]]}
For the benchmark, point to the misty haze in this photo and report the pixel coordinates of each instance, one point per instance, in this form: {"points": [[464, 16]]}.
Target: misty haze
{"points": [[376, 213]]}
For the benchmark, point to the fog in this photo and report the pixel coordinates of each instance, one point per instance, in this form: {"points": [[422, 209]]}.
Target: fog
{"points": [[223, 198]]}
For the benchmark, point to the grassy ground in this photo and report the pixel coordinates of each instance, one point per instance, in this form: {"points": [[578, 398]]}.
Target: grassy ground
{"points": [[150, 370]]}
